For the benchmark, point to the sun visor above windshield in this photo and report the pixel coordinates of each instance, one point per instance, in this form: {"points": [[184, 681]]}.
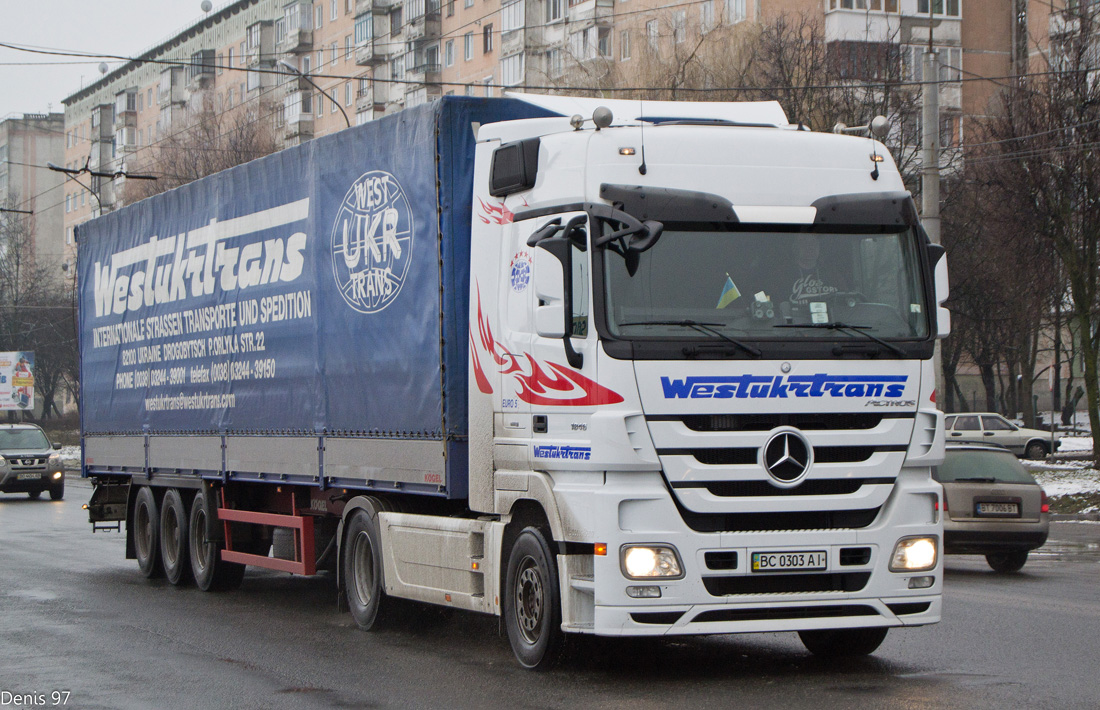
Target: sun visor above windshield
{"points": [[867, 208]]}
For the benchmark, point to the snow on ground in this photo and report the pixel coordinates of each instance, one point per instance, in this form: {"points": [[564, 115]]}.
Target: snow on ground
{"points": [[1062, 482], [70, 456], [1075, 443]]}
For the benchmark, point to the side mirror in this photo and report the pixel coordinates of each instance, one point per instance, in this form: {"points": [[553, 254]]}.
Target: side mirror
{"points": [[553, 264], [549, 280], [57, 445], [943, 316]]}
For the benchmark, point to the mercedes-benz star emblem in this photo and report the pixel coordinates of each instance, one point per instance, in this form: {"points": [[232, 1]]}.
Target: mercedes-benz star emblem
{"points": [[787, 457]]}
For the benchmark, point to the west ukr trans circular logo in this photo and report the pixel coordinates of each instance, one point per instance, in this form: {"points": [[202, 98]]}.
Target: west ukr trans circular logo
{"points": [[372, 240]]}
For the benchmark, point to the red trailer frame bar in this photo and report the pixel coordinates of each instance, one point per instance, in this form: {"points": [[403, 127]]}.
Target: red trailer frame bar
{"points": [[303, 562]]}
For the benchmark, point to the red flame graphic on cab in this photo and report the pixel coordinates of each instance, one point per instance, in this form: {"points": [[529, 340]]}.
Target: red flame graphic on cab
{"points": [[495, 214], [550, 384]]}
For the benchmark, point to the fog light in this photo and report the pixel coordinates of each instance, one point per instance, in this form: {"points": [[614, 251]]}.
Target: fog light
{"points": [[644, 592], [640, 561], [57, 475], [913, 554], [921, 582]]}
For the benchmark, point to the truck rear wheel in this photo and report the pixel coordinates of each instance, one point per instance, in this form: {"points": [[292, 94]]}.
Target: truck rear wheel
{"points": [[532, 602], [362, 573], [174, 546], [146, 532], [211, 572], [833, 643]]}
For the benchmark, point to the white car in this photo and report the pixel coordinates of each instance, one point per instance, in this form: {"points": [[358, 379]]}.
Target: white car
{"points": [[989, 428]]}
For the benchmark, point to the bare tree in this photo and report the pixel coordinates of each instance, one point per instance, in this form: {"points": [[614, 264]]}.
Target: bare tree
{"points": [[208, 142]]}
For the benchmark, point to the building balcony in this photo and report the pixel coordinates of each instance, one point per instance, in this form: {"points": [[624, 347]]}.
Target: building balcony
{"points": [[296, 41], [367, 54], [299, 126], [591, 10], [424, 73], [426, 26]]}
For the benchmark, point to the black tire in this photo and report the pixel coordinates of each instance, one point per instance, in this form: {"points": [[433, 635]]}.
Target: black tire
{"points": [[834, 643], [210, 572], [57, 492], [146, 531], [362, 568], [1007, 562], [34, 495], [174, 545], [1036, 451], [532, 602]]}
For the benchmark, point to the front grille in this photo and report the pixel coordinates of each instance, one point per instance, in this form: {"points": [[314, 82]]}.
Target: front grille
{"points": [[758, 522], [746, 455], [786, 612], [786, 583], [767, 422], [811, 487], [665, 618]]}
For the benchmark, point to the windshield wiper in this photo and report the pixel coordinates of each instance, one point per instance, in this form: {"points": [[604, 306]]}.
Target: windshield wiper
{"points": [[846, 327], [705, 328]]}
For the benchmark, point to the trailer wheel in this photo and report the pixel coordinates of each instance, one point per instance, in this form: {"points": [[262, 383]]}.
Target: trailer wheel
{"points": [[363, 568], [146, 532], [173, 537], [211, 573], [834, 643], [532, 603]]}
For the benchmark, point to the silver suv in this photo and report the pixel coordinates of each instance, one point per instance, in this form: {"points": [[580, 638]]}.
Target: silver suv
{"points": [[29, 463]]}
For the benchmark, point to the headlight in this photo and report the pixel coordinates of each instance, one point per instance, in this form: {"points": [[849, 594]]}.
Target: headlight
{"points": [[55, 456], [648, 561], [914, 554]]}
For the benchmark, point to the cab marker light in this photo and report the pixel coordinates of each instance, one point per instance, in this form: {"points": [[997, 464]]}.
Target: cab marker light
{"points": [[600, 549]]}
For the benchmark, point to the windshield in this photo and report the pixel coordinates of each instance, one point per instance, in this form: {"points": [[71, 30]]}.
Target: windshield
{"points": [[19, 439], [996, 466], [757, 284]]}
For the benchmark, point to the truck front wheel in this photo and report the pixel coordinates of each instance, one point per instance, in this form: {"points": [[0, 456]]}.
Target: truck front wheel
{"points": [[211, 573], [146, 532], [833, 643], [532, 602], [173, 537], [362, 573]]}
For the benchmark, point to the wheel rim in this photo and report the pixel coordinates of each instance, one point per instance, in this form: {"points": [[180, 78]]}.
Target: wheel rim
{"points": [[171, 533], [198, 544], [363, 568], [144, 526], [530, 600]]}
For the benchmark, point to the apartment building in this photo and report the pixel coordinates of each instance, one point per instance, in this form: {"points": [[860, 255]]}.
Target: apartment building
{"points": [[311, 67], [27, 143]]}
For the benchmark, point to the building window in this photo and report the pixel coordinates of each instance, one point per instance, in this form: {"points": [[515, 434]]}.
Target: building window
{"points": [[624, 45], [553, 63], [449, 53], [334, 9], [320, 13], [397, 67], [348, 94], [735, 10], [242, 58], [468, 46], [679, 26], [469, 3], [554, 10], [334, 53], [488, 81], [396, 23], [651, 33], [450, 8], [706, 16], [512, 16], [487, 38], [349, 41], [320, 103], [364, 30], [939, 7], [511, 70]]}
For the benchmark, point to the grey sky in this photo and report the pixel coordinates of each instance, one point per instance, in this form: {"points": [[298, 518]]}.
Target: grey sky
{"points": [[119, 27]]}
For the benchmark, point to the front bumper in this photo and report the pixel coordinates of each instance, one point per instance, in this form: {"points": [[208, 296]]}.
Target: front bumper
{"points": [[27, 482], [722, 595]]}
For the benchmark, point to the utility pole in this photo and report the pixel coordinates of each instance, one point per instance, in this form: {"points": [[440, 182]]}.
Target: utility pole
{"points": [[930, 165]]}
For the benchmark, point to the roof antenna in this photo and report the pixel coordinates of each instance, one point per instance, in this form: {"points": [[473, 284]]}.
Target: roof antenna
{"points": [[641, 110]]}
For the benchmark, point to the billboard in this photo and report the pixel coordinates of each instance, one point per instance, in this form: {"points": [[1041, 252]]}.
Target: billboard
{"points": [[17, 380]]}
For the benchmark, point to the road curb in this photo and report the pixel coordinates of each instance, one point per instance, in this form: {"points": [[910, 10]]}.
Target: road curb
{"points": [[1070, 517]]}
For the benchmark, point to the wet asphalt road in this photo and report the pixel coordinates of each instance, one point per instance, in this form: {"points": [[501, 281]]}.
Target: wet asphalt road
{"points": [[76, 616]]}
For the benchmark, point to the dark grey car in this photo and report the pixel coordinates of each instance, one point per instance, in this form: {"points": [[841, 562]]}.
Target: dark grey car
{"points": [[29, 463], [993, 506]]}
